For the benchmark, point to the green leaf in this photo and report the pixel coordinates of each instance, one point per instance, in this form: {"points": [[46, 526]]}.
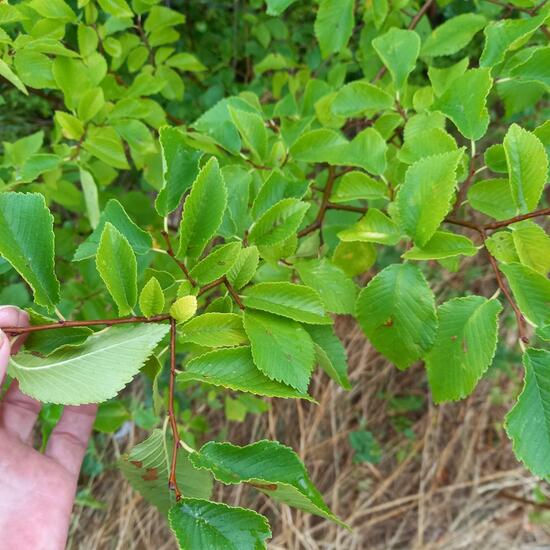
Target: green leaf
{"points": [[27, 243], [359, 96], [501, 246], [216, 526], [70, 125], [334, 25], [234, 369], [465, 103], [184, 308], [91, 373], [180, 169], [104, 143], [532, 245], [396, 310], [398, 49], [147, 467], [244, 268], [35, 166], [464, 346], [296, 302], [151, 299], [442, 79], [91, 102], [116, 263], [216, 264], [114, 213], [253, 132], [424, 198], [45, 342], [9, 75], [373, 227], [89, 188], [330, 353], [493, 197], [527, 167], [453, 35], [213, 330], [276, 7], [358, 185], [202, 211], [495, 158], [281, 348], [505, 34], [185, 62], [337, 291], [278, 223], [270, 467], [117, 8], [531, 291], [442, 245], [354, 258], [433, 141], [111, 415], [528, 423], [535, 69]]}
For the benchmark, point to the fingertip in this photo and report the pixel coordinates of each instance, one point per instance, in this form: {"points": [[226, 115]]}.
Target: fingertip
{"points": [[10, 315], [5, 350]]}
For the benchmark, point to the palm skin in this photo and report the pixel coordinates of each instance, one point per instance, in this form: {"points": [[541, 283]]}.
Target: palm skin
{"points": [[36, 490]]}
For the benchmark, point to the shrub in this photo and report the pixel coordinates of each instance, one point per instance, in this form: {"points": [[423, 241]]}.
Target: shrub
{"points": [[213, 186]]}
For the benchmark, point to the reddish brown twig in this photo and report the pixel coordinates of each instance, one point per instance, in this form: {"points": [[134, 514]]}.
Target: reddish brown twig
{"points": [[520, 319], [347, 208], [223, 281], [510, 221], [172, 255], [233, 292], [172, 480], [95, 322], [318, 222]]}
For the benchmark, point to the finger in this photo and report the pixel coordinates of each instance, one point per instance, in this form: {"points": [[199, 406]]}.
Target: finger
{"points": [[10, 316], [18, 412], [69, 439], [5, 350]]}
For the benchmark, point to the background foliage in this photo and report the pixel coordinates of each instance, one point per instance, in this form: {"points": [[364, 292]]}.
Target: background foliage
{"points": [[250, 173]]}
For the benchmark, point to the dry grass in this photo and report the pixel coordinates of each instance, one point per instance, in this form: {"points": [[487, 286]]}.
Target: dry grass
{"points": [[449, 487]]}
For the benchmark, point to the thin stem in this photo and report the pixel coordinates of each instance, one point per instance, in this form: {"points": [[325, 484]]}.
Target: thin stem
{"points": [[223, 281], [233, 293], [95, 322], [510, 221], [172, 481], [520, 319], [172, 254], [347, 208], [318, 222]]}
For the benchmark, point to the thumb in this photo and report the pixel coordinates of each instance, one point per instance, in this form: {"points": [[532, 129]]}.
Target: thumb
{"points": [[5, 350], [10, 316]]}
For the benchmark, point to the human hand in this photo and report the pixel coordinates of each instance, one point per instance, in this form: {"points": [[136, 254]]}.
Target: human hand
{"points": [[37, 490]]}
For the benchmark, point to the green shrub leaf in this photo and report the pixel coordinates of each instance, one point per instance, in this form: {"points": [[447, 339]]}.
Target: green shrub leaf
{"points": [[464, 346], [146, 467], [116, 263], [528, 423], [90, 373], [281, 348], [27, 242], [396, 310], [234, 369], [204, 524], [270, 467]]}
